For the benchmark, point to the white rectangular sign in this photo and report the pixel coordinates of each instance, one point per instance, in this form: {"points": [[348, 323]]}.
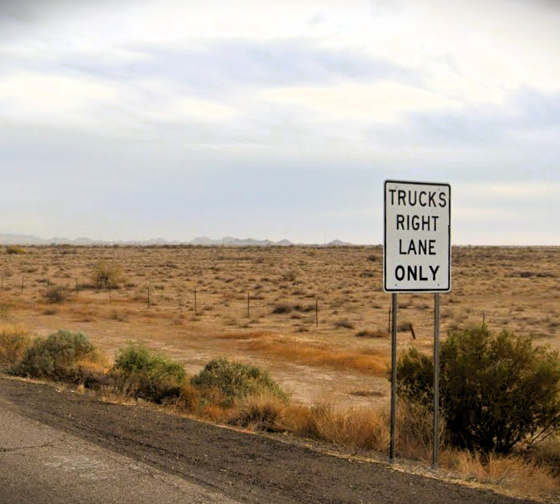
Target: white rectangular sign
{"points": [[417, 245]]}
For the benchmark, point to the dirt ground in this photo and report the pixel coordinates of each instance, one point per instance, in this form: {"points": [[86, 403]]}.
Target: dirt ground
{"points": [[245, 466]]}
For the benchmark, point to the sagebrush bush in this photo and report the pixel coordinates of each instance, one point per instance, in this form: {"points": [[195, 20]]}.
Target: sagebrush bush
{"points": [[235, 380], [57, 294], [14, 249], [282, 308], [495, 390], [63, 355], [141, 373], [107, 275], [290, 275]]}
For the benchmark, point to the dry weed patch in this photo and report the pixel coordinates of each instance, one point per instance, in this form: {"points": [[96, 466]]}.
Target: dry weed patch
{"points": [[415, 432], [512, 473], [371, 361], [14, 339], [243, 335], [357, 428], [259, 412]]}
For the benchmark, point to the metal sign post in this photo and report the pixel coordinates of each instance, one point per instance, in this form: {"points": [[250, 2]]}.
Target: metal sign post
{"points": [[436, 381], [416, 258], [394, 308]]}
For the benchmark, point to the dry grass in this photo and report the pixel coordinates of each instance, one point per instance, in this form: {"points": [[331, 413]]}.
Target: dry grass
{"points": [[245, 335], [356, 428], [512, 474], [367, 361], [258, 412], [415, 432], [13, 342]]}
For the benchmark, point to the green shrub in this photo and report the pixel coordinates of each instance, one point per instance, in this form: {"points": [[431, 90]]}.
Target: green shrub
{"points": [[143, 374], [415, 375], [495, 390], [62, 356], [14, 249], [235, 380]]}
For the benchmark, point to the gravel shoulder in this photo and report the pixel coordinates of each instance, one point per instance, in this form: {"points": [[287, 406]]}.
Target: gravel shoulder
{"points": [[244, 466]]}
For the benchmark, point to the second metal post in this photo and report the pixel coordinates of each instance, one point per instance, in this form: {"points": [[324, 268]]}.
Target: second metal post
{"points": [[436, 381]]}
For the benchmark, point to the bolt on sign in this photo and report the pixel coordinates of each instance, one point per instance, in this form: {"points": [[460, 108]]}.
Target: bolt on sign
{"points": [[417, 245]]}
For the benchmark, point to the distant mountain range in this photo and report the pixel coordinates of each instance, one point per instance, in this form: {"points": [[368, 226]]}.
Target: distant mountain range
{"points": [[15, 239]]}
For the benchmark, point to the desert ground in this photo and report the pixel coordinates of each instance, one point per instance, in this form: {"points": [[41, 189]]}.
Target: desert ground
{"points": [[316, 317]]}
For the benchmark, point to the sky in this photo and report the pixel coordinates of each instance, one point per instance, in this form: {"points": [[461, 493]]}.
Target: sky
{"points": [[139, 119]]}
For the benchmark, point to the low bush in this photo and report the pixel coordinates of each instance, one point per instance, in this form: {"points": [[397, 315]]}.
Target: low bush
{"points": [[141, 373], [495, 390], [234, 380], [13, 342], [63, 356], [368, 333], [107, 275], [281, 308], [344, 324], [258, 412], [57, 294], [14, 249], [290, 275]]}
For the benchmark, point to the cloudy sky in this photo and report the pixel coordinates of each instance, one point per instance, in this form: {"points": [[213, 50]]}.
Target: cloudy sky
{"points": [[137, 119]]}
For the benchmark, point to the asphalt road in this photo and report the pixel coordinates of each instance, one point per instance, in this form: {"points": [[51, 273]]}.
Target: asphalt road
{"points": [[59, 447], [40, 465]]}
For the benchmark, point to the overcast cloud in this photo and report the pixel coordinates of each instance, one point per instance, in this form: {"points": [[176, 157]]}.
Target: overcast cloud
{"points": [[142, 119]]}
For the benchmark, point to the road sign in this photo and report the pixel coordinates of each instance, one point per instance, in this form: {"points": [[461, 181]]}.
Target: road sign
{"points": [[417, 245]]}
